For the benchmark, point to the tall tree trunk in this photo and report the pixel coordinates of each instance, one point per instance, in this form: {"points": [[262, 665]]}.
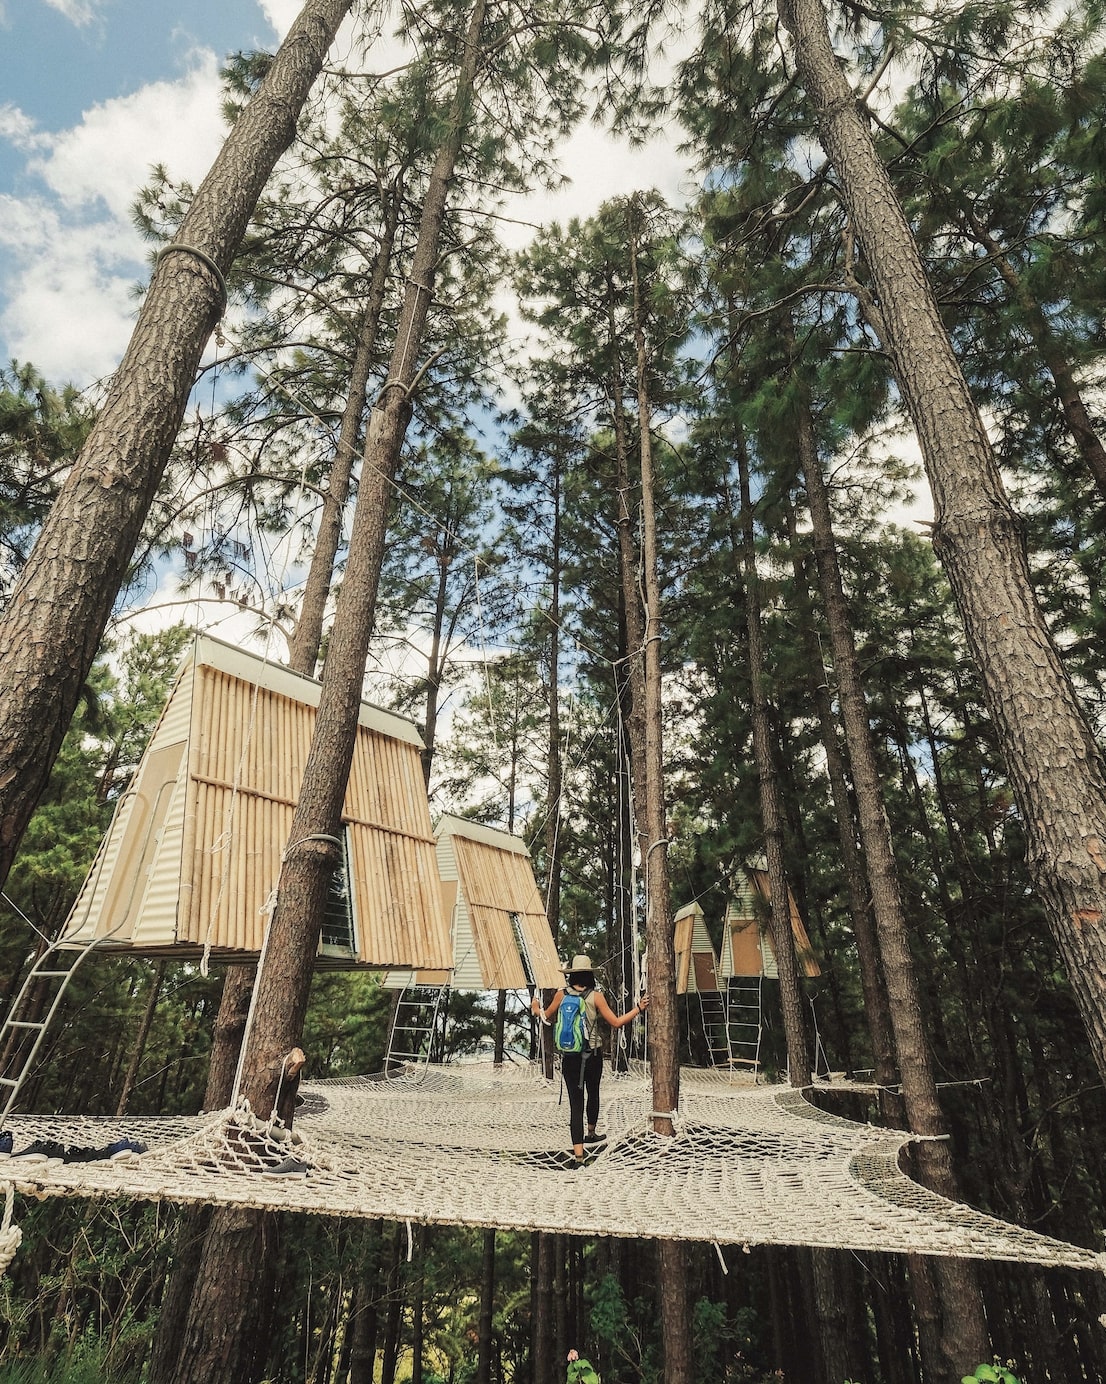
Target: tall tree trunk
{"points": [[798, 1049], [418, 1293], [393, 1320], [283, 984], [964, 1329], [53, 624], [645, 670], [542, 1365], [364, 1321], [652, 833], [303, 648], [564, 1337], [1053, 763], [231, 1300], [282, 988], [435, 662], [195, 1221], [877, 1008], [487, 1310], [554, 769], [226, 1036]]}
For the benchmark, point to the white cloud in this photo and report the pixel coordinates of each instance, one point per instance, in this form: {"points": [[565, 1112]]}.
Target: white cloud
{"points": [[17, 127], [73, 253], [68, 307], [79, 12], [601, 168], [281, 13], [108, 155]]}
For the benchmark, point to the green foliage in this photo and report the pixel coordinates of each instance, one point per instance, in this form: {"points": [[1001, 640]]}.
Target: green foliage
{"points": [[992, 1374], [80, 1368], [42, 430], [580, 1371]]}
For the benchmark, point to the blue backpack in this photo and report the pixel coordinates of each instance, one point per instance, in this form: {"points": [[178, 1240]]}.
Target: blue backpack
{"points": [[570, 1027]]}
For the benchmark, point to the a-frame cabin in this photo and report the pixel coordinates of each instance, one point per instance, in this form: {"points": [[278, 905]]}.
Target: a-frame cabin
{"points": [[747, 948], [193, 855], [696, 962], [501, 936]]}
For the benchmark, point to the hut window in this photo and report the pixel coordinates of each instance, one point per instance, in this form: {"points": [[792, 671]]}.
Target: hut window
{"points": [[339, 937], [523, 948]]}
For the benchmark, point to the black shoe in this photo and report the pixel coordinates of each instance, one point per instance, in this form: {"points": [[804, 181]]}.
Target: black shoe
{"points": [[40, 1151], [595, 1138], [123, 1149], [288, 1167]]}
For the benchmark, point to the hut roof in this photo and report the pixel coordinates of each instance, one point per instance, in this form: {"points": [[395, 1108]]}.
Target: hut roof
{"points": [[500, 914]]}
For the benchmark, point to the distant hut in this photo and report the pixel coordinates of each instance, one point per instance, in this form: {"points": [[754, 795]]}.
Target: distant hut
{"points": [[696, 963], [193, 855], [747, 948], [697, 980]]}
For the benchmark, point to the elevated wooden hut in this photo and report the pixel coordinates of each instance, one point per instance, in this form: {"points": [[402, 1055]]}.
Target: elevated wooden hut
{"points": [[501, 936], [696, 963], [747, 940], [193, 855]]}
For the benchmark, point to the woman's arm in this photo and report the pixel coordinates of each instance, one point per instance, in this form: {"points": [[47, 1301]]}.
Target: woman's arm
{"points": [[619, 1020], [554, 1005]]}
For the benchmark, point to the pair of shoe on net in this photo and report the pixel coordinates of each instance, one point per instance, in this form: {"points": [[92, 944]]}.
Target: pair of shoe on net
{"points": [[52, 1153]]}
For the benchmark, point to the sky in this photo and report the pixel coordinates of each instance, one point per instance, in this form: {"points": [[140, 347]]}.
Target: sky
{"points": [[93, 93]]}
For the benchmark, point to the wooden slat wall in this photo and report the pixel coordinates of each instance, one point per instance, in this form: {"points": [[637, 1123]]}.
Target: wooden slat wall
{"points": [[696, 962], [804, 952], [251, 747], [497, 881]]}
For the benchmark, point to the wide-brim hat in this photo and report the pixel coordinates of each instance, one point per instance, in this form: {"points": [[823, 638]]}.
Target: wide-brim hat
{"points": [[579, 963]]}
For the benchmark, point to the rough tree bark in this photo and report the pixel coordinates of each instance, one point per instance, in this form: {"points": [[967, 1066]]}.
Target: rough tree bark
{"points": [[283, 984], [791, 1000], [484, 1338], [52, 627], [1053, 763], [964, 1331], [307, 638], [645, 666], [877, 1008]]}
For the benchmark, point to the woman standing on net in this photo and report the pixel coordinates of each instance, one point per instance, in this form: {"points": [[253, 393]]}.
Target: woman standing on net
{"points": [[575, 1012]]}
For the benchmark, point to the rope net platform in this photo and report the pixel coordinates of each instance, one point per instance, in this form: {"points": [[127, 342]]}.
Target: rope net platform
{"points": [[483, 1146]]}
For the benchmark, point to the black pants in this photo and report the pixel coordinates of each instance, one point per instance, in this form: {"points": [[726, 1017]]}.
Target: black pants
{"points": [[582, 1074]]}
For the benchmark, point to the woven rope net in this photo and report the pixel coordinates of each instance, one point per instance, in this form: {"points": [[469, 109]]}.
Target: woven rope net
{"points": [[476, 1145]]}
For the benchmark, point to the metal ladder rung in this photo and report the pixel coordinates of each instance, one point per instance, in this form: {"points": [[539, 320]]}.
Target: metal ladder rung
{"points": [[50, 975], [25, 1023]]}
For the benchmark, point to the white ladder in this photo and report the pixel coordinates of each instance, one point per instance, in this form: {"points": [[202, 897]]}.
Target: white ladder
{"points": [[415, 1038], [716, 1034], [20, 1037], [744, 1020]]}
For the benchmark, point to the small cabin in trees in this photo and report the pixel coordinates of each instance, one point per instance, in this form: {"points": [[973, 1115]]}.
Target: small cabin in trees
{"points": [[696, 962], [747, 948], [726, 1025], [192, 858], [501, 936]]}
